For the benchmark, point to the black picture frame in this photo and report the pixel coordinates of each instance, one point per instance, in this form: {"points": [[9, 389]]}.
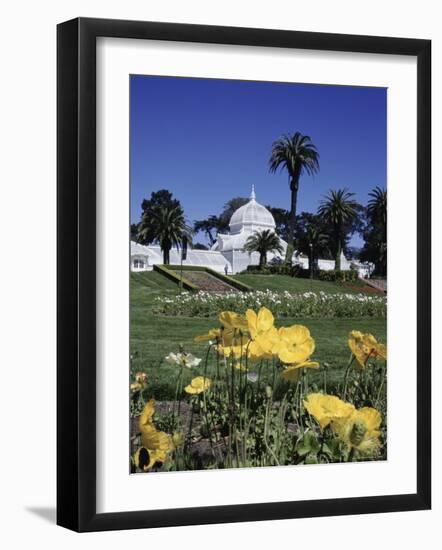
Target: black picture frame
{"points": [[76, 273]]}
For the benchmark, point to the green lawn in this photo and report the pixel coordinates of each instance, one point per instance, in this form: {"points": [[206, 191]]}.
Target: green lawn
{"points": [[153, 336]]}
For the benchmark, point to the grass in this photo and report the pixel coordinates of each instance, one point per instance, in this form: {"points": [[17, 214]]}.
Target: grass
{"points": [[153, 336]]}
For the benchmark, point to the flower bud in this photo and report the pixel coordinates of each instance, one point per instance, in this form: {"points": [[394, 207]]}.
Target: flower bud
{"points": [[357, 433]]}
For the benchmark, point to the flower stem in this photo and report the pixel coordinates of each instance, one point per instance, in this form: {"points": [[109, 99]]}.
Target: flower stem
{"points": [[347, 373]]}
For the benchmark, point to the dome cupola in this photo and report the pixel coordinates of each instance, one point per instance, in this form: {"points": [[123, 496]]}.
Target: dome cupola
{"points": [[252, 217]]}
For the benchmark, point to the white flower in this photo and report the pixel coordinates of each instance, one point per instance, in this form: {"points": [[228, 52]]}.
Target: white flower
{"points": [[252, 376], [183, 359]]}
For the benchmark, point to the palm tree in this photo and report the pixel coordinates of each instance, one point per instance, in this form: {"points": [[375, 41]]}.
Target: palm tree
{"points": [[296, 154], [263, 242], [377, 210], [339, 209], [377, 214], [314, 241], [168, 226]]}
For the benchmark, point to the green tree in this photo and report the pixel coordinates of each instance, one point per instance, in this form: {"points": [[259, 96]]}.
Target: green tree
{"points": [[230, 207], [158, 199], [263, 242], [339, 209], [312, 239], [134, 231], [297, 155], [375, 233], [207, 226], [282, 221], [163, 222]]}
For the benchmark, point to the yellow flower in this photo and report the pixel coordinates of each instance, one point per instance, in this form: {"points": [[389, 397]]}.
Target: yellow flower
{"points": [[141, 378], [327, 408], [259, 323], [146, 417], [213, 334], [241, 367], [291, 373], [198, 385], [263, 333], [232, 343], [295, 344], [140, 382], [364, 346], [156, 447], [233, 321], [360, 430]]}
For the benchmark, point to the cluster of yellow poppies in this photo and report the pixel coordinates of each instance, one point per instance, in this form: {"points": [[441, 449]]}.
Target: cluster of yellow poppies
{"points": [[254, 337], [357, 428], [155, 445]]}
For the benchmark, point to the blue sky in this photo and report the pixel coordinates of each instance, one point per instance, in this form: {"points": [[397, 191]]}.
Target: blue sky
{"points": [[208, 140]]}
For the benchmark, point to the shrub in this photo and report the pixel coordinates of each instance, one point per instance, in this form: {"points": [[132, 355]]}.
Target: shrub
{"points": [[277, 269], [338, 276]]}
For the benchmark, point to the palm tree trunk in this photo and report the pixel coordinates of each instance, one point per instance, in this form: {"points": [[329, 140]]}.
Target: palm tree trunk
{"points": [[338, 255], [262, 260], [166, 256], [294, 184]]}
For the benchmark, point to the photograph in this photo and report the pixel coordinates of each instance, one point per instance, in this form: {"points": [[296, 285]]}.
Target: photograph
{"points": [[258, 284]]}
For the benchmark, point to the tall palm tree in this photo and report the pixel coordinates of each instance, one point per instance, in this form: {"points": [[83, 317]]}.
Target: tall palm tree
{"points": [[339, 209], [297, 154], [377, 215], [168, 226], [263, 242], [377, 210]]}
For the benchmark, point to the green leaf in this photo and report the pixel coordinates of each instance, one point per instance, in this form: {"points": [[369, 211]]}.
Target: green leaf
{"points": [[311, 459]]}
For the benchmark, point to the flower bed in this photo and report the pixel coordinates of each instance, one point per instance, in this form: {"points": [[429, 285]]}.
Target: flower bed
{"points": [[283, 304]]}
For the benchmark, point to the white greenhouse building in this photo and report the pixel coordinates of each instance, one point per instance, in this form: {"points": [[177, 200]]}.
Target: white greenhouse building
{"points": [[227, 254]]}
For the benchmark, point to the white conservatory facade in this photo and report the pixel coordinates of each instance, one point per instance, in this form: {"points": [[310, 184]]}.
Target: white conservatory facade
{"points": [[227, 255]]}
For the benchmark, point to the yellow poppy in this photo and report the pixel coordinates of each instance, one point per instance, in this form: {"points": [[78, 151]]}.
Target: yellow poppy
{"points": [[233, 321], [241, 367], [136, 386], [141, 378], [360, 430], [327, 408], [263, 333], [259, 323], [295, 344], [291, 373], [364, 346], [156, 447], [146, 417], [198, 385], [232, 344], [213, 334]]}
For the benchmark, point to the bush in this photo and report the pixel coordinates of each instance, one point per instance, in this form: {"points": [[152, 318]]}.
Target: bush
{"points": [[275, 269], [338, 276]]}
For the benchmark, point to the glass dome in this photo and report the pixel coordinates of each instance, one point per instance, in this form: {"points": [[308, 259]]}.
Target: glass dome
{"points": [[251, 216]]}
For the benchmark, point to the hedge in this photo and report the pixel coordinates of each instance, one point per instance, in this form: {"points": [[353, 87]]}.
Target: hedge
{"points": [[338, 276]]}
